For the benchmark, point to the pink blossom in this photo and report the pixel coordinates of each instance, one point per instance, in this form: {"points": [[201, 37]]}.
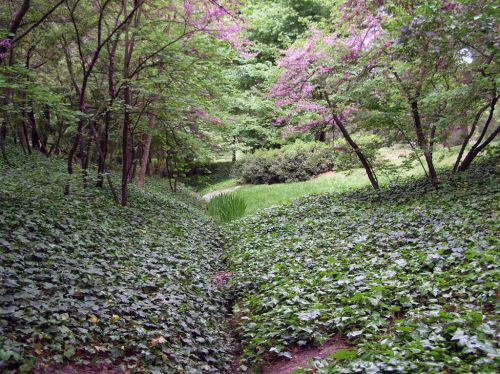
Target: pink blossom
{"points": [[310, 107], [210, 17], [325, 70], [197, 113], [222, 278], [6, 44], [307, 126], [448, 6], [349, 112], [188, 8]]}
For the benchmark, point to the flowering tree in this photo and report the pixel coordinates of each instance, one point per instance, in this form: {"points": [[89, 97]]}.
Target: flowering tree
{"points": [[427, 54], [319, 74]]}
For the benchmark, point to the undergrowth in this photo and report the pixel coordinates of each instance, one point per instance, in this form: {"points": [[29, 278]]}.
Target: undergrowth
{"points": [[85, 282], [409, 276]]}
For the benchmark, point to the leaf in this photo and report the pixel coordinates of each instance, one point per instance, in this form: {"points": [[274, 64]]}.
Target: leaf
{"points": [[343, 354], [158, 341], [69, 351]]}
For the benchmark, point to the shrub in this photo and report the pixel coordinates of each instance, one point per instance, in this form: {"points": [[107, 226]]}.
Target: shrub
{"points": [[294, 162], [227, 207]]}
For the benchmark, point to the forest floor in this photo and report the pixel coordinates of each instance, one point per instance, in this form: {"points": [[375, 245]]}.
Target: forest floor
{"points": [[87, 285], [402, 280], [302, 358], [407, 277]]}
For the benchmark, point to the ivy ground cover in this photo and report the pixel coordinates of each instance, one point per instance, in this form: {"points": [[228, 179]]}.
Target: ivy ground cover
{"points": [[85, 282], [408, 276]]}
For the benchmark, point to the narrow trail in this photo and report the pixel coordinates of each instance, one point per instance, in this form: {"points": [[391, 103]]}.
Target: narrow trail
{"points": [[211, 195], [301, 358]]}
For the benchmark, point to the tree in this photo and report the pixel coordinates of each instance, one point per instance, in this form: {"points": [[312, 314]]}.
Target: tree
{"points": [[314, 82]]}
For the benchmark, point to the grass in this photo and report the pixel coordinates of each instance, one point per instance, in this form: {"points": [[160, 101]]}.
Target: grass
{"points": [[217, 178], [226, 207], [258, 197], [226, 183]]}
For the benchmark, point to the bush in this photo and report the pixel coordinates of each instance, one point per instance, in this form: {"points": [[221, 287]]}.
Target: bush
{"points": [[294, 162], [227, 207]]}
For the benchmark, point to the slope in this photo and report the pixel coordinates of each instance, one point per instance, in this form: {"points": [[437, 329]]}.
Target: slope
{"points": [[409, 277], [87, 285]]}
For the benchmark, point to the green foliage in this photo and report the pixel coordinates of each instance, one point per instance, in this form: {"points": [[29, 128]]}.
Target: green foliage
{"points": [[294, 162], [205, 177], [409, 276], [279, 23], [346, 158], [227, 207], [86, 282]]}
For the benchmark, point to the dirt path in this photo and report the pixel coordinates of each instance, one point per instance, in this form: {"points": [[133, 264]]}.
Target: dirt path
{"points": [[211, 195], [301, 358]]}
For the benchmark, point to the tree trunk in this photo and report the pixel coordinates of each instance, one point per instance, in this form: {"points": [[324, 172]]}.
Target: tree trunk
{"points": [[14, 26], [422, 143], [128, 46], [54, 149], [474, 152], [320, 136], [103, 161], [364, 161], [148, 166], [126, 113], [47, 129], [104, 148], [35, 137], [468, 137], [85, 151], [145, 149], [108, 114], [3, 137], [235, 141], [478, 147], [24, 137]]}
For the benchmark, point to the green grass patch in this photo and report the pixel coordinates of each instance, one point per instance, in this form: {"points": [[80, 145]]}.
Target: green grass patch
{"points": [[258, 197], [264, 196], [223, 184], [227, 207]]}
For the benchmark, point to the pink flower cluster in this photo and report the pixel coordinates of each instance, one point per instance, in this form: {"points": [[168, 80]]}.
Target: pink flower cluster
{"points": [[448, 6], [200, 114], [222, 278], [300, 67], [301, 129], [220, 21], [297, 85], [307, 68], [5, 44]]}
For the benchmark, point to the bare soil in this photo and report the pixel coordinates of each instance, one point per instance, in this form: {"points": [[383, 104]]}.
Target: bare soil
{"points": [[302, 357]]}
